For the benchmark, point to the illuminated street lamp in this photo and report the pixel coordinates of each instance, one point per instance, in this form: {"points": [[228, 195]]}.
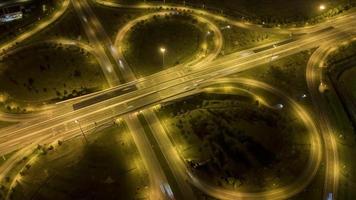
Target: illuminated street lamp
{"points": [[163, 52], [77, 122], [44, 8], [322, 7]]}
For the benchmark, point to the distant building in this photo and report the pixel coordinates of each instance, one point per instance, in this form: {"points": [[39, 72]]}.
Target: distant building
{"points": [[12, 13]]}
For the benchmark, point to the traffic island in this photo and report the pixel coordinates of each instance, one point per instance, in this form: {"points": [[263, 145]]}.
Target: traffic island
{"points": [[286, 73], [44, 73], [238, 39], [237, 142], [164, 41], [107, 166]]}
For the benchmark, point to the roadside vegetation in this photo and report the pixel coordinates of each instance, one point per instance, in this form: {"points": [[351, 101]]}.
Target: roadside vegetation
{"points": [[233, 141], [286, 74], [237, 39], [47, 73], [349, 78], [107, 167], [342, 53], [181, 35], [268, 13]]}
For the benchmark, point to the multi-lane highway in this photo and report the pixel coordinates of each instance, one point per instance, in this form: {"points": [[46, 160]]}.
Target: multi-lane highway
{"points": [[98, 39], [59, 122]]}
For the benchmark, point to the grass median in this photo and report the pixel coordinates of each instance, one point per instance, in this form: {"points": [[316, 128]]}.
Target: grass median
{"points": [[232, 141], [107, 167]]}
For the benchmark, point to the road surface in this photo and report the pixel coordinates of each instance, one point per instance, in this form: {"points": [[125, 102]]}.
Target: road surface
{"points": [[59, 122]]}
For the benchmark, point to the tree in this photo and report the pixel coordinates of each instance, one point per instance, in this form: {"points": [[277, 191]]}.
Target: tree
{"points": [[77, 73], [28, 166], [31, 81]]}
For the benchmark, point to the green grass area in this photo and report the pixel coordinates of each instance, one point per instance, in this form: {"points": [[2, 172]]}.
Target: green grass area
{"points": [[341, 72], [268, 11], [181, 35], [237, 142], [315, 189], [31, 18], [286, 74], [348, 170], [344, 52], [47, 72], [236, 38], [342, 64], [349, 78], [336, 110], [107, 167]]}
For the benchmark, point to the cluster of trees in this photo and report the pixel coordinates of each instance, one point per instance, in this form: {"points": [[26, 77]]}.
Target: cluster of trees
{"points": [[297, 20], [330, 13], [239, 38], [273, 20], [16, 109], [170, 16], [288, 74], [342, 53], [74, 93], [46, 67], [229, 152], [65, 94]]}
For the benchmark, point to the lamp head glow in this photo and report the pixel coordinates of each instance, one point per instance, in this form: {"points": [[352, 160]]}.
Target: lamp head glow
{"points": [[162, 50], [322, 7]]}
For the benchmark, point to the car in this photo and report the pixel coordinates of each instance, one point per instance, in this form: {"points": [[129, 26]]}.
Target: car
{"points": [[274, 57], [279, 106]]}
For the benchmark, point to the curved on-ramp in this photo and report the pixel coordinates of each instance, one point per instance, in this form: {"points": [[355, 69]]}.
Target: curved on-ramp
{"points": [[283, 192], [315, 82]]}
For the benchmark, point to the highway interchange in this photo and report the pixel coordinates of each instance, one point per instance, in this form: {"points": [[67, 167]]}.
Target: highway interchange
{"points": [[58, 121]]}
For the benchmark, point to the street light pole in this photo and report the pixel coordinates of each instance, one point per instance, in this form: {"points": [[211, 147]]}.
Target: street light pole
{"points": [[322, 7], [77, 122], [163, 51]]}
